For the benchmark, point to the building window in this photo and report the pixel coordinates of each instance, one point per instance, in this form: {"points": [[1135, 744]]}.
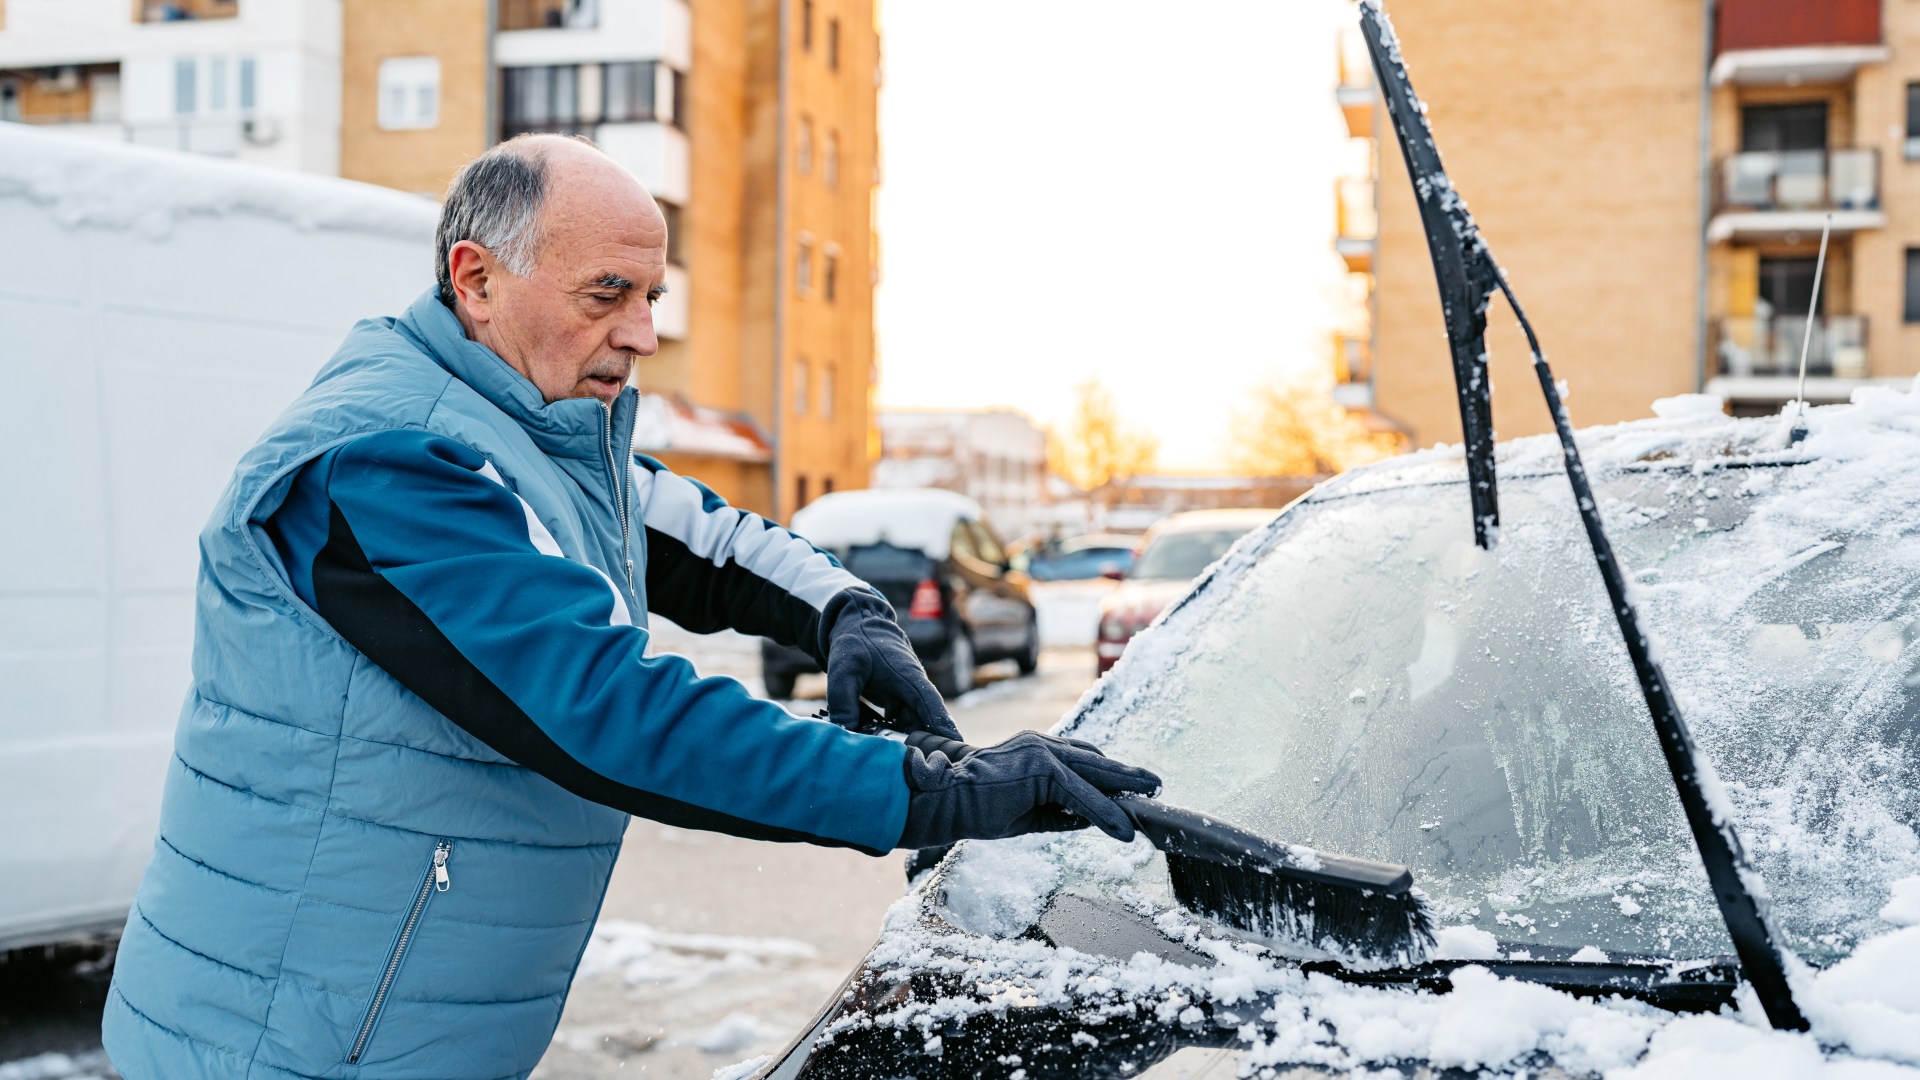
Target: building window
{"points": [[570, 99], [1913, 285], [247, 84], [9, 101], [826, 486], [833, 44], [830, 160], [830, 274], [409, 93], [806, 25], [828, 381], [803, 267], [217, 84], [1913, 121], [676, 243], [799, 492], [800, 367], [186, 78], [803, 146]]}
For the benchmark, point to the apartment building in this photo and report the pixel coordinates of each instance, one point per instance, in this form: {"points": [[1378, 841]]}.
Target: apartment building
{"points": [[1654, 176], [996, 457], [753, 122]]}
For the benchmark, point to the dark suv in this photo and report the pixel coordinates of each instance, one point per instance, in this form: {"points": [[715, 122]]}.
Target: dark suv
{"points": [[933, 555]]}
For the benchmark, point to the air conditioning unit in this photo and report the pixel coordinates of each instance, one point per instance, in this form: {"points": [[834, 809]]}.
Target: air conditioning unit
{"points": [[260, 130]]}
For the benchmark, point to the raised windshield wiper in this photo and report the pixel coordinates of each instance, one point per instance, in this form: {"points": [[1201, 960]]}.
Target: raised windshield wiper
{"points": [[1468, 275]]}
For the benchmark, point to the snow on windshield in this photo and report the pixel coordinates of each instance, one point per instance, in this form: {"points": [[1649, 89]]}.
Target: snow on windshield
{"points": [[1358, 677]]}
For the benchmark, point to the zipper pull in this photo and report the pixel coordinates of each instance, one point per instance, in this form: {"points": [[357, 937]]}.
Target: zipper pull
{"points": [[629, 573], [441, 882]]}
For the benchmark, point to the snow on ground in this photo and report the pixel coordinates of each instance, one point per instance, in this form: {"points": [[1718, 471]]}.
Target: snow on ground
{"points": [[91, 1066], [638, 953]]}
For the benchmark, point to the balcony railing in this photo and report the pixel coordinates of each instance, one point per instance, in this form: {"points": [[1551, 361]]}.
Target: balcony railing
{"points": [[1847, 179], [1794, 24], [549, 14], [1770, 345], [1355, 93]]}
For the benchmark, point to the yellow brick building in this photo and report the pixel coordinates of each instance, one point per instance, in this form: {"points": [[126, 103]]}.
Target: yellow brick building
{"points": [[1653, 175]]}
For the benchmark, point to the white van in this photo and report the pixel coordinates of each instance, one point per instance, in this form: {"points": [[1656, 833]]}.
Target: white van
{"points": [[157, 310]]}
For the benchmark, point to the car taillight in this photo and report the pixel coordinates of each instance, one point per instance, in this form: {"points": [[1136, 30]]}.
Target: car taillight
{"points": [[926, 602]]}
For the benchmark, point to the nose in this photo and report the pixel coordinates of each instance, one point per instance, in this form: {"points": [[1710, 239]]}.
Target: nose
{"points": [[634, 331]]}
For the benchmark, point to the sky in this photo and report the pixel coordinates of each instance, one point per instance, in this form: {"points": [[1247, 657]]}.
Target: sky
{"points": [[1138, 192]]}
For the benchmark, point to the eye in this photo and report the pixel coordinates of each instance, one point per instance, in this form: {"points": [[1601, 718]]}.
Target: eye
{"points": [[653, 296], [607, 298]]}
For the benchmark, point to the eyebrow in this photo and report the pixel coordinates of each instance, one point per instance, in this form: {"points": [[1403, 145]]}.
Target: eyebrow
{"points": [[612, 281]]}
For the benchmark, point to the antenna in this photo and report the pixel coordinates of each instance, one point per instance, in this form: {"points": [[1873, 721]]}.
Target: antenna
{"points": [[1799, 429]]}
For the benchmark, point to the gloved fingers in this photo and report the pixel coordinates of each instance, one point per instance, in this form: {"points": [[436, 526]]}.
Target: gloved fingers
{"points": [[912, 702], [1081, 744], [1110, 776], [846, 676], [1049, 819], [1083, 799]]}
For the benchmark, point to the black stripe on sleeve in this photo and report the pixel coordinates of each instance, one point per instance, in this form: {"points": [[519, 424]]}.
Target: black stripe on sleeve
{"points": [[380, 621], [702, 597]]}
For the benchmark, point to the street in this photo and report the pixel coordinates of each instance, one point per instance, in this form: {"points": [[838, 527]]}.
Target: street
{"points": [[710, 950]]}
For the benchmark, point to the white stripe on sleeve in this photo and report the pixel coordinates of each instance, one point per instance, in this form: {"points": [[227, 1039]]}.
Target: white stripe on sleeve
{"points": [[675, 506], [545, 544]]}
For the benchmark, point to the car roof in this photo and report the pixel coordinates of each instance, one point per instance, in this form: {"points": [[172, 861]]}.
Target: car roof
{"points": [[1188, 521], [917, 518], [1099, 540]]}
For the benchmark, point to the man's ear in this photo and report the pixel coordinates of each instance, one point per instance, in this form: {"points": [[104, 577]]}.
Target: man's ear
{"points": [[472, 269]]}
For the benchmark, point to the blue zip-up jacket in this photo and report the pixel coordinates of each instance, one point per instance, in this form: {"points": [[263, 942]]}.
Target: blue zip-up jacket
{"points": [[422, 709]]}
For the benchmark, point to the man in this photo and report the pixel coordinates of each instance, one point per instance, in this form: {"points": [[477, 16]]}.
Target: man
{"points": [[422, 706]]}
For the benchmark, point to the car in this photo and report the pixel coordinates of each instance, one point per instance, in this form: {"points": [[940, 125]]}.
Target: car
{"points": [[1083, 558], [1175, 551], [138, 412], [1357, 675], [931, 553]]}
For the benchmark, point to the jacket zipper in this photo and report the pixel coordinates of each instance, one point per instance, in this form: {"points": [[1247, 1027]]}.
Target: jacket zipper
{"points": [[435, 881], [622, 491]]}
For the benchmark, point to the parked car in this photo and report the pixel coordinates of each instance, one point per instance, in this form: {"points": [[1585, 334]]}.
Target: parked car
{"points": [[1359, 676], [1174, 552], [933, 555], [1083, 558], [130, 412]]}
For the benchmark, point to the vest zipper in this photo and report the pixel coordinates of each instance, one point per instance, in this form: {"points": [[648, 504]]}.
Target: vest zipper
{"points": [[622, 491], [435, 881]]}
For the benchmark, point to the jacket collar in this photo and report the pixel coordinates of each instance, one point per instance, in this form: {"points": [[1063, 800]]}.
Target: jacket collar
{"points": [[572, 427]]}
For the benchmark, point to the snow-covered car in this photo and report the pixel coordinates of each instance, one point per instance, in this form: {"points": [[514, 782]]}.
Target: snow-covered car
{"points": [[1360, 677], [933, 555], [1173, 554]]}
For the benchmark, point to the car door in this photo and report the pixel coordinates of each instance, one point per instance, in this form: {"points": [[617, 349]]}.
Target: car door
{"points": [[1004, 605]]}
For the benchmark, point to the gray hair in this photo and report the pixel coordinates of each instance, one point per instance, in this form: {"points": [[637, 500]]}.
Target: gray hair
{"points": [[495, 202]]}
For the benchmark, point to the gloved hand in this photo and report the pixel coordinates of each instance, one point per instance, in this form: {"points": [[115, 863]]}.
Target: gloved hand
{"points": [[1030, 783], [868, 654]]}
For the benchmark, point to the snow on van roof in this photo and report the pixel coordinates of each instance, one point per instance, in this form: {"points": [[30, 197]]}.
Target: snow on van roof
{"points": [[95, 184], [917, 518]]}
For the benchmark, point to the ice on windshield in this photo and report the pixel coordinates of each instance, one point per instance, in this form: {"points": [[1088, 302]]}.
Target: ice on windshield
{"points": [[1362, 679]]}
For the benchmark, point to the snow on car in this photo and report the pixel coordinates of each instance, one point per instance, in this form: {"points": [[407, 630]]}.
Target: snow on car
{"points": [[1360, 677]]}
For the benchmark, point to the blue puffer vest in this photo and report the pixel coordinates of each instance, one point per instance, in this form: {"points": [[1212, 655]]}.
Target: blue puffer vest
{"points": [[345, 883]]}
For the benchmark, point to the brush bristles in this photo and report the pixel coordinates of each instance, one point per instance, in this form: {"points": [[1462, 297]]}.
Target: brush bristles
{"points": [[1360, 927]]}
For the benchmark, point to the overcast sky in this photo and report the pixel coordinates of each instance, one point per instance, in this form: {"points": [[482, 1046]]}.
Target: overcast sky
{"points": [[1142, 192]]}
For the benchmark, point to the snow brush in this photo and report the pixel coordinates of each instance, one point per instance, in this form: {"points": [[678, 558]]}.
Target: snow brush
{"points": [[1362, 913]]}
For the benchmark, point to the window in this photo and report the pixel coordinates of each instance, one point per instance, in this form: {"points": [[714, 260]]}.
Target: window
{"points": [[806, 25], [9, 101], [409, 93], [631, 91], [799, 492], [826, 486], [676, 243], [1913, 121], [800, 367], [830, 160], [1784, 127], [571, 99], [833, 44], [186, 77], [803, 267], [828, 382], [1913, 285], [803, 146], [830, 274], [217, 84], [247, 90]]}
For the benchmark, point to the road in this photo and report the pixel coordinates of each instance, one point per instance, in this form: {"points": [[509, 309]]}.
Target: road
{"points": [[710, 950]]}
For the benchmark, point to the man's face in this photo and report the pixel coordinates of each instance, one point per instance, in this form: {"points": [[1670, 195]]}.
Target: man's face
{"points": [[576, 323]]}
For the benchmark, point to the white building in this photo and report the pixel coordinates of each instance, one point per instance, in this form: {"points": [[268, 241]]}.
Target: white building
{"points": [[996, 457]]}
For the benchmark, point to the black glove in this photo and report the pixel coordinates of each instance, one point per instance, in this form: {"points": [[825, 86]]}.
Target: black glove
{"points": [[869, 655], [1030, 783]]}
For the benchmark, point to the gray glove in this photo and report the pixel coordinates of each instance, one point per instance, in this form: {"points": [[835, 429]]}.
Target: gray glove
{"points": [[868, 655], [1030, 783]]}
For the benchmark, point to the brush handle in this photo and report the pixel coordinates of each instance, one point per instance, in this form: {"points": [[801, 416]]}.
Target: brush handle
{"points": [[1191, 834]]}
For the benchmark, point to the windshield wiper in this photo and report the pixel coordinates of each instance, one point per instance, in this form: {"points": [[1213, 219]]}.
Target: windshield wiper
{"points": [[1697, 987], [1468, 275]]}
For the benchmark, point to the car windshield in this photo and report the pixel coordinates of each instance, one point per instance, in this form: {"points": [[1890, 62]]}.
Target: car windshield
{"points": [[1181, 556], [1361, 678]]}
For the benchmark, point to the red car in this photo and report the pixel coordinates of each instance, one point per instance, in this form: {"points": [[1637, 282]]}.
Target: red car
{"points": [[1172, 555]]}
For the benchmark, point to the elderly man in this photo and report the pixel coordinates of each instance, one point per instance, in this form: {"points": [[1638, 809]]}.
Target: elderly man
{"points": [[422, 706]]}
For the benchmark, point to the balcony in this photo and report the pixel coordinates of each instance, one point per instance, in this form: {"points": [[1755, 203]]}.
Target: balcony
{"points": [[548, 15], [1356, 93], [1763, 347], [1358, 223], [1795, 42], [157, 11], [1353, 371], [1779, 194]]}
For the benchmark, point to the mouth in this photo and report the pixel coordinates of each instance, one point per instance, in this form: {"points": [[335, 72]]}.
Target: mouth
{"points": [[605, 387]]}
